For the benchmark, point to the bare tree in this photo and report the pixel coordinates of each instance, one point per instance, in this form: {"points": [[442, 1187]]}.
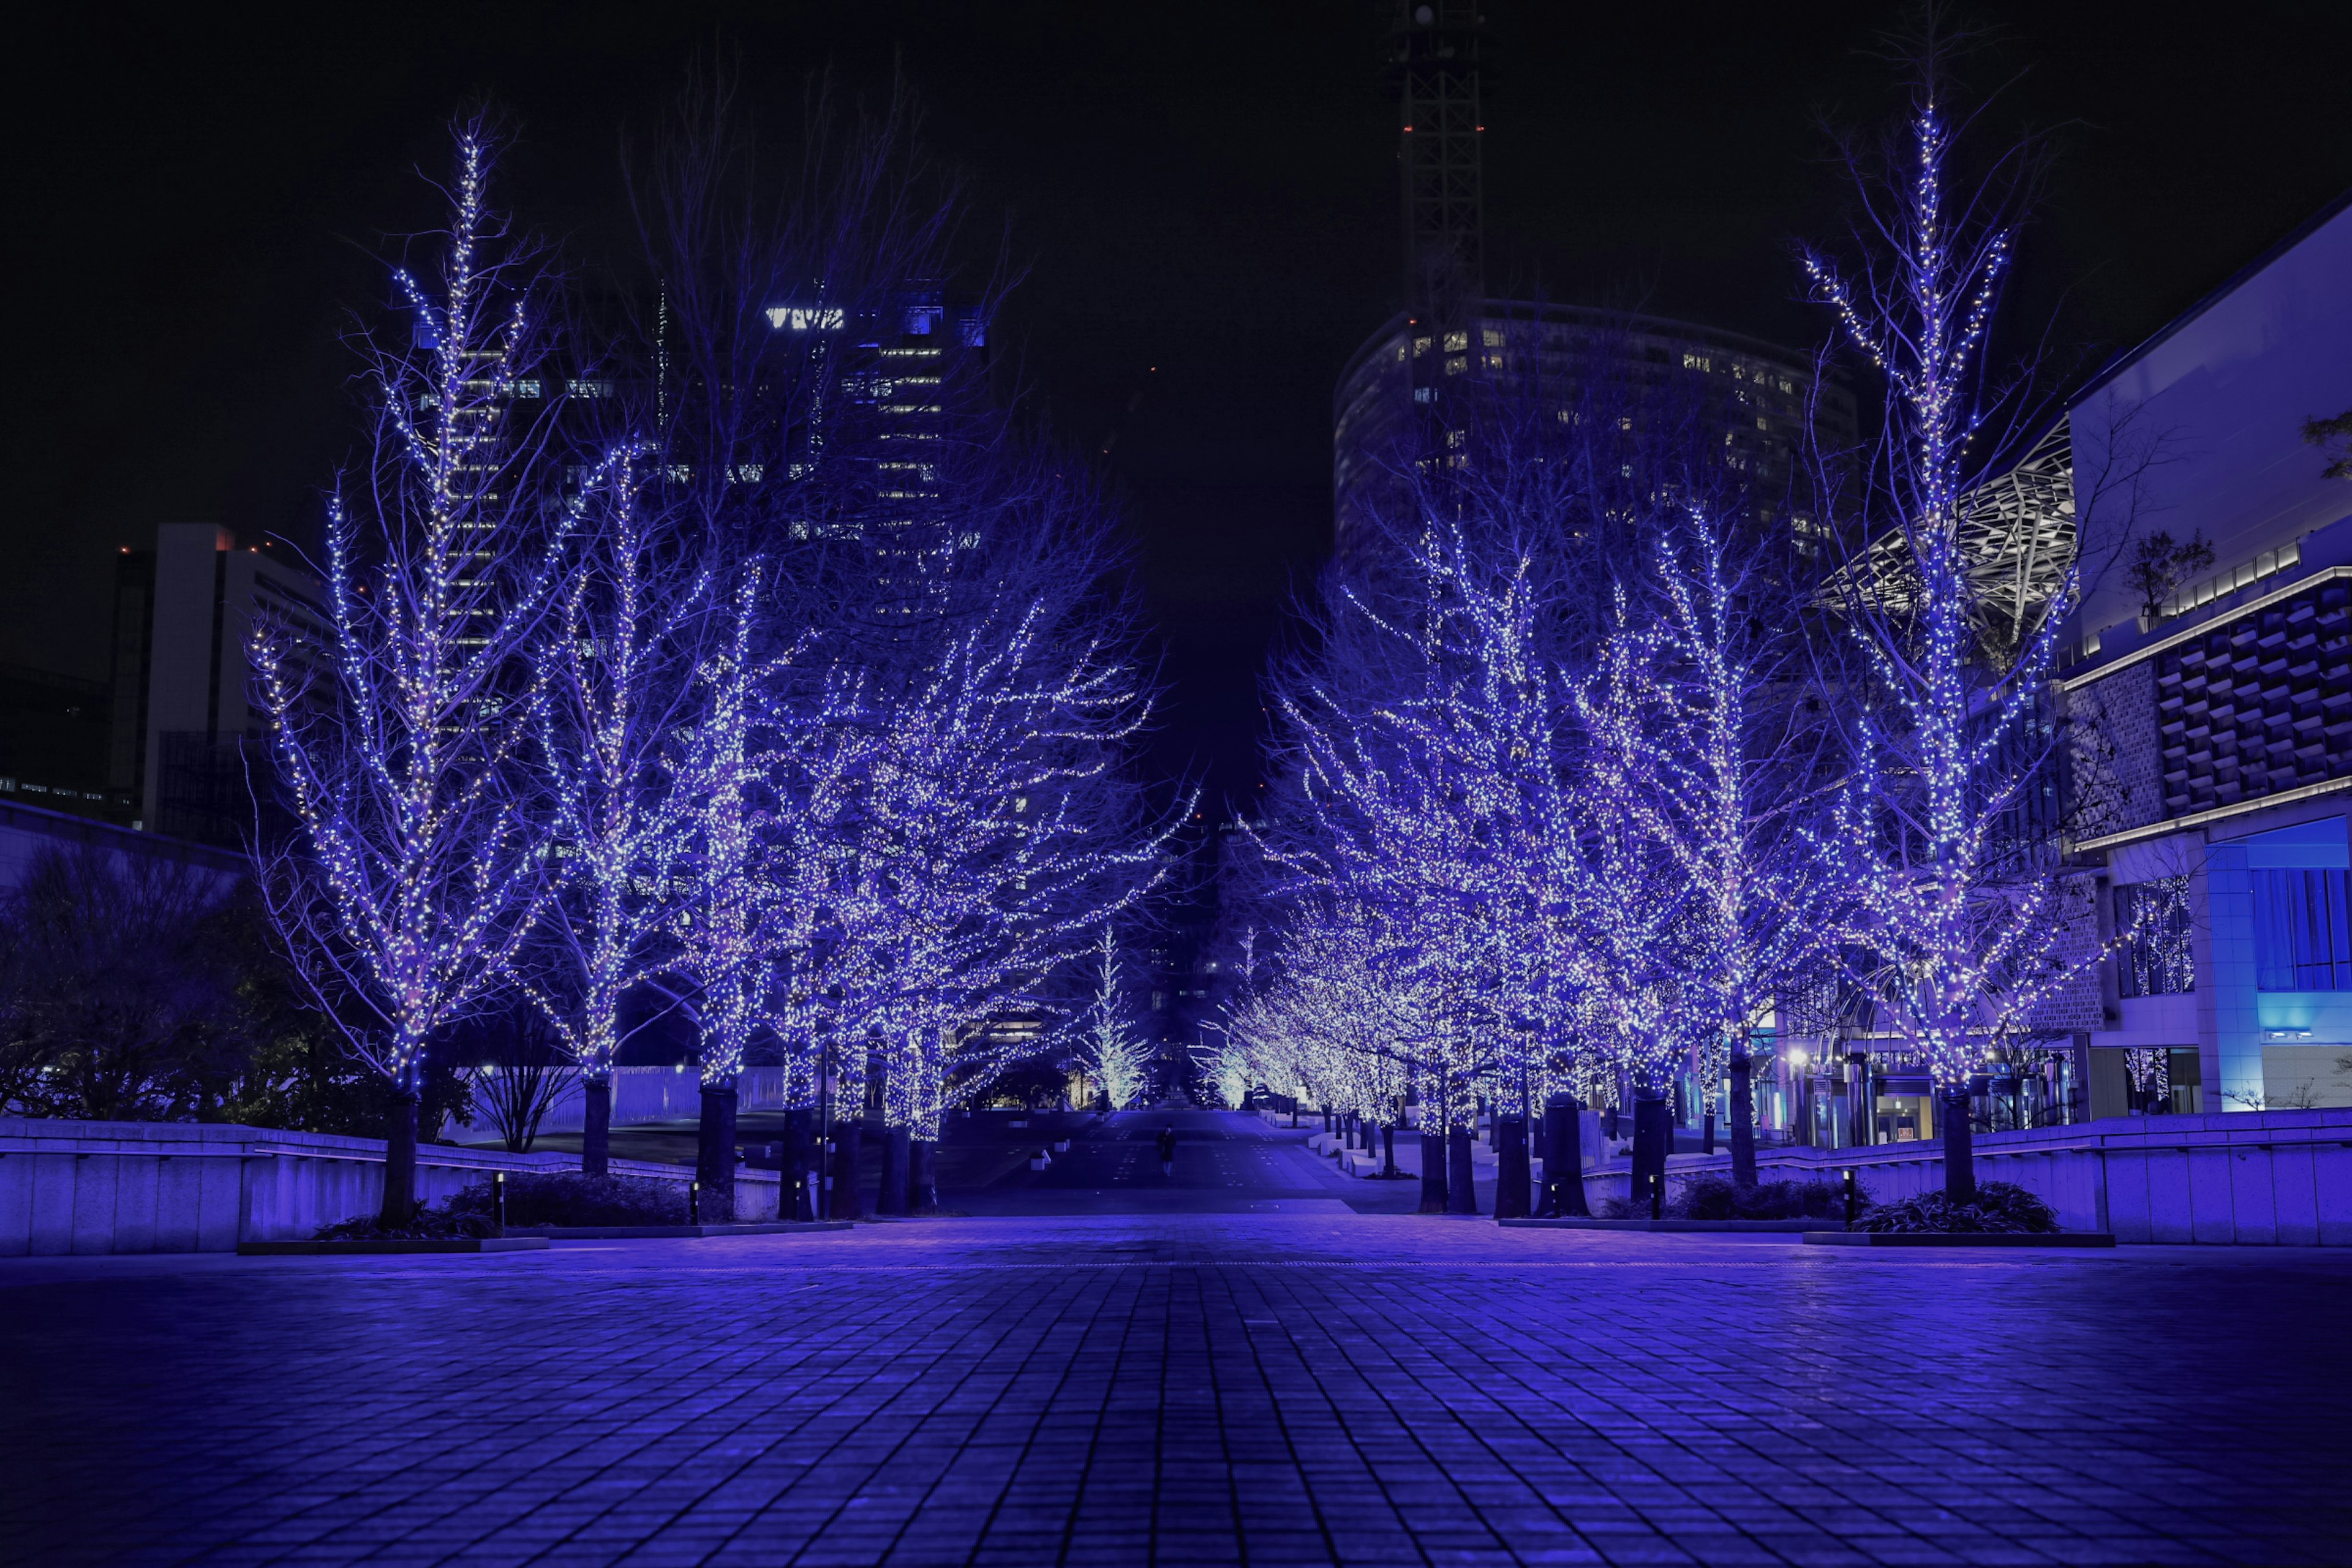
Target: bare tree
{"points": [[417, 871], [110, 1000], [525, 1073]]}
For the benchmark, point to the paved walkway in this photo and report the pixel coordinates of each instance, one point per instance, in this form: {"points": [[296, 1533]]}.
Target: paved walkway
{"points": [[1268, 1388], [1224, 1164]]}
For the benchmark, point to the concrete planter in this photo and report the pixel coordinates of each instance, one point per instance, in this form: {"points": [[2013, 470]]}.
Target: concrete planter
{"points": [[368, 1248], [2247, 1178], [2071, 1238]]}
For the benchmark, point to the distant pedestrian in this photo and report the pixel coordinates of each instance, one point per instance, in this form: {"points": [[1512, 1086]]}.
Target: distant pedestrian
{"points": [[1167, 1154]]}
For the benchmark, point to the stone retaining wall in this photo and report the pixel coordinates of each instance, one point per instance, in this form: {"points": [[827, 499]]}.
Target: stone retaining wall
{"points": [[2270, 1178], [119, 1186]]}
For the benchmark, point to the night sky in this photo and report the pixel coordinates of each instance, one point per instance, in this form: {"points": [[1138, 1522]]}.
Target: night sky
{"points": [[1208, 190]]}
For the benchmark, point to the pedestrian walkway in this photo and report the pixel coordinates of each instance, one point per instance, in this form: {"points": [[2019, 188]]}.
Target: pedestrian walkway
{"points": [[1210, 1388], [1225, 1163]]}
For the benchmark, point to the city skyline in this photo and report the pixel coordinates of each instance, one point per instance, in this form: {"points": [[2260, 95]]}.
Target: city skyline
{"points": [[1372, 781], [1184, 311]]}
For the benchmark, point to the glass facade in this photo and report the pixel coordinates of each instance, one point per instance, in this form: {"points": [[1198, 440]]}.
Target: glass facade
{"points": [[2157, 958], [2302, 939]]}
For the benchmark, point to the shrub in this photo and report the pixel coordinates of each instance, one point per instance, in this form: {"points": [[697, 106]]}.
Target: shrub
{"points": [[568, 1198], [2001, 1208], [1714, 1196], [446, 1223]]}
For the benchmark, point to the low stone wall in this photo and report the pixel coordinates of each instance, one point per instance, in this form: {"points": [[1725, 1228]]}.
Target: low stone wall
{"points": [[2269, 1178], [118, 1186]]}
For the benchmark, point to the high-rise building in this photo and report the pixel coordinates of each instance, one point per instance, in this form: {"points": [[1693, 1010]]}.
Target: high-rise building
{"points": [[1410, 396], [866, 408], [183, 730], [1398, 400], [53, 741]]}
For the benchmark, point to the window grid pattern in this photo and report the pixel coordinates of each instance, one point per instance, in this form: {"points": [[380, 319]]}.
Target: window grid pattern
{"points": [[2158, 957], [2259, 704]]}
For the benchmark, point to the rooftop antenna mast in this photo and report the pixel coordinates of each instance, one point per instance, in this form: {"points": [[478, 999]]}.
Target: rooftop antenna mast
{"points": [[1434, 51]]}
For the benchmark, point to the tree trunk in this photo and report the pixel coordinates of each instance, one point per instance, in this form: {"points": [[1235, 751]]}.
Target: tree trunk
{"points": [[798, 1198], [596, 1128], [1743, 1120], [714, 1155], [399, 1204], [1512, 1174], [1551, 1135], [1432, 1171], [1388, 1149], [923, 1177], [897, 1153], [1652, 1134], [1569, 1188], [1959, 1147], [1706, 1138], [1461, 1184], [847, 1202]]}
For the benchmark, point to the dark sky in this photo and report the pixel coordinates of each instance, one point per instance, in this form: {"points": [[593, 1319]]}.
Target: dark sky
{"points": [[1209, 190]]}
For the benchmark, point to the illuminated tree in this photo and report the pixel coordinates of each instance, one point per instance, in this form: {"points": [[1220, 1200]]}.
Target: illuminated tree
{"points": [[999, 835], [1325, 1022], [1574, 809], [725, 948], [612, 692], [1447, 786], [911, 534], [1117, 1055], [417, 871], [1709, 738], [1950, 875]]}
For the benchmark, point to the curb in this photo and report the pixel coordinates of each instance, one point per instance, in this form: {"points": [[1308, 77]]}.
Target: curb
{"points": [[2067, 1238], [651, 1232], [1733, 1227], [372, 1249]]}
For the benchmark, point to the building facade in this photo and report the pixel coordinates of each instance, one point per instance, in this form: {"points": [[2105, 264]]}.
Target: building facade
{"points": [[2212, 706], [183, 729], [54, 735], [1397, 403]]}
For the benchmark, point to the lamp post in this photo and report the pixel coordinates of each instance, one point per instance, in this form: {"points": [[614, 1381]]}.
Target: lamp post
{"points": [[824, 1125]]}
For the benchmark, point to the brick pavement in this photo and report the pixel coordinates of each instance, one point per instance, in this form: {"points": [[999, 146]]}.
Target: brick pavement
{"points": [[1289, 1388]]}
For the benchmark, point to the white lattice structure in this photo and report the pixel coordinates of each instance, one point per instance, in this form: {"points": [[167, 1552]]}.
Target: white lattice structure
{"points": [[2017, 534]]}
